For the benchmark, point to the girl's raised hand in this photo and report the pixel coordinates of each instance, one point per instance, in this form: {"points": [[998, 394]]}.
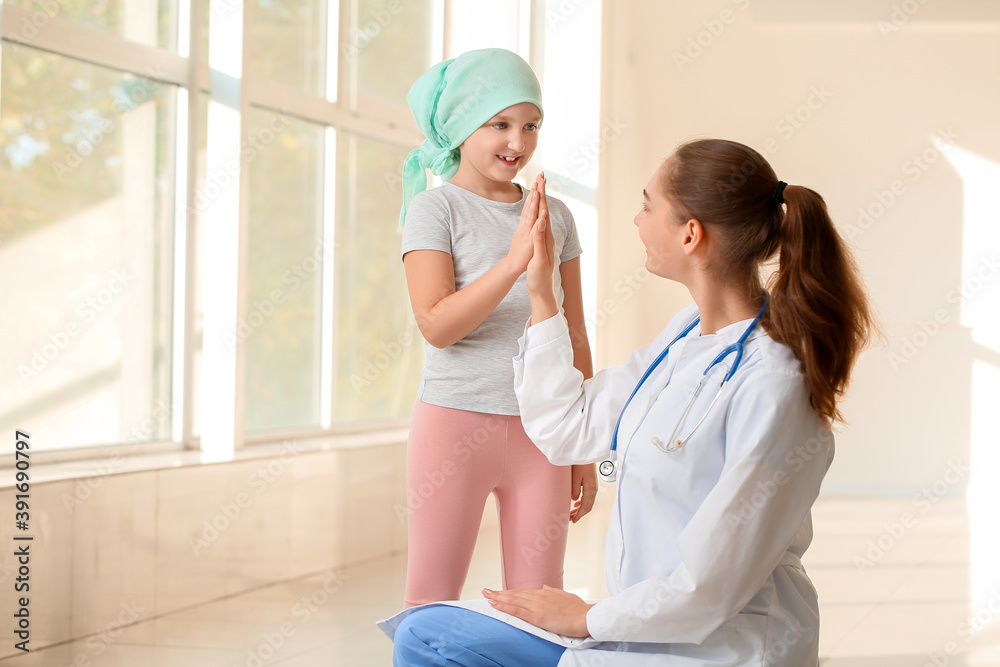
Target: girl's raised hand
{"points": [[522, 245]]}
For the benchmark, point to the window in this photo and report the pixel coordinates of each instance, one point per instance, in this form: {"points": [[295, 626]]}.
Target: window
{"points": [[287, 42], [201, 247], [150, 22], [379, 349], [86, 185], [391, 48], [282, 325]]}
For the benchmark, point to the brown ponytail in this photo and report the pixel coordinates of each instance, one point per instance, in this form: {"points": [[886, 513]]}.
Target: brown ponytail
{"points": [[818, 305]]}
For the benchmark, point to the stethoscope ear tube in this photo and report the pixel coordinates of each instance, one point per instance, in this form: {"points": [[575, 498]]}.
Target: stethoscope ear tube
{"points": [[674, 444], [608, 469]]}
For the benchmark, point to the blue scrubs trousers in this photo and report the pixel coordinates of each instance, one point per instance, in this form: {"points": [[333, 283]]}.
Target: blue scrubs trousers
{"points": [[455, 637]]}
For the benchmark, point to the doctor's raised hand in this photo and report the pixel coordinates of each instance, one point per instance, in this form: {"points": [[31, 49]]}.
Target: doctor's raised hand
{"points": [[541, 292], [540, 268]]}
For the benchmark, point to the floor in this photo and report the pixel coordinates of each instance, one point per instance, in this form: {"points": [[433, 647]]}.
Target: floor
{"points": [[903, 582]]}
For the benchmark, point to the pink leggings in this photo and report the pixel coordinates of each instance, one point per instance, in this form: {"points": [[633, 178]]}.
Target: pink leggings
{"points": [[454, 460]]}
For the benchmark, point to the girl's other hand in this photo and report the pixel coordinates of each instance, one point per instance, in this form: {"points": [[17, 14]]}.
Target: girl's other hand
{"points": [[583, 490]]}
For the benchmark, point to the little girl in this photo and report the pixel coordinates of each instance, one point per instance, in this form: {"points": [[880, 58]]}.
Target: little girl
{"points": [[466, 245]]}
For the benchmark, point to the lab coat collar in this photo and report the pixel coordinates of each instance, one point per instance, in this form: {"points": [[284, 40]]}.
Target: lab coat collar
{"points": [[731, 333]]}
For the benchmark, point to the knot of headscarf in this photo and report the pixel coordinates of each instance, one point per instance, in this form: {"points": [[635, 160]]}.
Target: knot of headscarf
{"points": [[441, 160]]}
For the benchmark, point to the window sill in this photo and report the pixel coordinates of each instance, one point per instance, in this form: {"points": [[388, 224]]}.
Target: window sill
{"points": [[121, 464]]}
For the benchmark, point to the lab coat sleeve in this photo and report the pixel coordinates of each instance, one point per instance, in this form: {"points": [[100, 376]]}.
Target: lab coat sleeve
{"points": [[777, 453], [570, 420]]}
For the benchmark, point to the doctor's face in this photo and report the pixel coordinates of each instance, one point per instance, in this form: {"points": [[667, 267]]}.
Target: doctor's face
{"points": [[661, 230]]}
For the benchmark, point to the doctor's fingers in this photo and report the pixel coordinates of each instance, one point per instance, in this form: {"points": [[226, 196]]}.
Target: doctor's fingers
{"points": [[522, 598], [527, 607], [522, 245], [544, 241], [540, 267], [543, 205], [531, 615]]}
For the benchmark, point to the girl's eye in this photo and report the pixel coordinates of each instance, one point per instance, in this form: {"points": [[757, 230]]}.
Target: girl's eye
{"points": [[500, 126], [643, 206], [530, 127]]}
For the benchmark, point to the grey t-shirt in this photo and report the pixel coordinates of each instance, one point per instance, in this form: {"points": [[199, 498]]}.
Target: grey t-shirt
{"points": [[476, 373]]}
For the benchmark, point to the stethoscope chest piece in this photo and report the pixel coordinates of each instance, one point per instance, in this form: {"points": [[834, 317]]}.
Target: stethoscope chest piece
{"points": [[607, 470]]}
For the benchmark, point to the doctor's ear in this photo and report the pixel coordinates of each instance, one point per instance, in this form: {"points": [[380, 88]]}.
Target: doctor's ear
{"points": [[694, 235]]}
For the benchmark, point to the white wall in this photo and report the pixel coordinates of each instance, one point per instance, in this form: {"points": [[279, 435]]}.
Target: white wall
{"points": [[113, 546], [872, 83]]}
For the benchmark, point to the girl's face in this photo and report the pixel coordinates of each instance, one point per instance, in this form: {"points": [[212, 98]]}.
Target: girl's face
{"points": [[662, 231], [503, 145]]}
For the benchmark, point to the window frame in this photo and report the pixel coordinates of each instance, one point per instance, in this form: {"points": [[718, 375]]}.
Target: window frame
{"points": [[190, 71]]}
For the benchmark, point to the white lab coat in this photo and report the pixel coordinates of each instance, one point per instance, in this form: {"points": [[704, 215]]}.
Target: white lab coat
{"points": [[704, 543]]}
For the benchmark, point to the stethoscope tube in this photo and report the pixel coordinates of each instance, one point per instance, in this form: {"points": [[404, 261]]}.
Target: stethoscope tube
{"points": [[608, 469]]}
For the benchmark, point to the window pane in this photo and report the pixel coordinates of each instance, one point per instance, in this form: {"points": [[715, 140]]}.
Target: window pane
{"points": [[287, 42], [282, 324], [152, 22], [86, 206], [572, 140], [392, 44], [379, 350], [478, 25]]}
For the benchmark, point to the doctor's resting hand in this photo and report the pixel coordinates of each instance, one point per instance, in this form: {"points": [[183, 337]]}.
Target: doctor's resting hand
{"points": [[551, 609]]}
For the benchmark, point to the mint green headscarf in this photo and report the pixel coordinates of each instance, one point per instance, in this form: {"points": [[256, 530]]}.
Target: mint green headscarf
{"points": [[452, 100]]}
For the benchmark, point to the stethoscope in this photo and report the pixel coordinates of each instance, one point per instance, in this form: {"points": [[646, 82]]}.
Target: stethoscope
{"points": [[608, 468]]}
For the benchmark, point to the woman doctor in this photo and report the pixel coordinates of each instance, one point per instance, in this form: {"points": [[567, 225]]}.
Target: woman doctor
{"points": [[720, 435]]}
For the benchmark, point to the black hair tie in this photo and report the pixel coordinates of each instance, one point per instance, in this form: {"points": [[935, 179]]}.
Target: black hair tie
{"points": [[778, 198]]}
